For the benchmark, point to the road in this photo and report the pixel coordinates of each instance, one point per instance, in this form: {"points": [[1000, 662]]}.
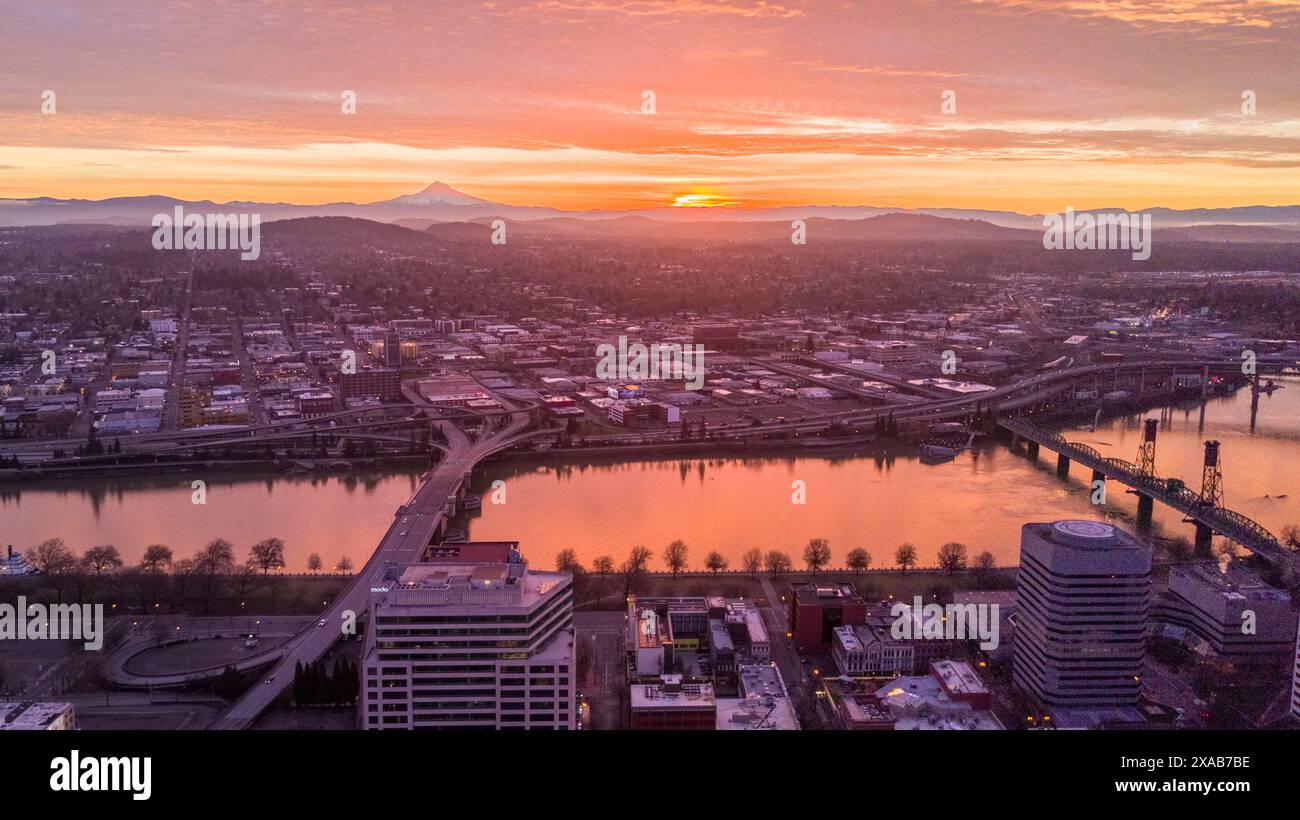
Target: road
{"points": [[602, 637], [1023, 392], [787, 659], [176, 379], [414, 527]]}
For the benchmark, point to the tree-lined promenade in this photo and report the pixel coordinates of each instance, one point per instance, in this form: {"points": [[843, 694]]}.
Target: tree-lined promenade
{"points": [[597, 582], [213, 581], [210, 581]]}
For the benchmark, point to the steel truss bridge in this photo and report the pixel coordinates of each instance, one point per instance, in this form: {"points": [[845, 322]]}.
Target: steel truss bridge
{"points": [[1228, 523]]}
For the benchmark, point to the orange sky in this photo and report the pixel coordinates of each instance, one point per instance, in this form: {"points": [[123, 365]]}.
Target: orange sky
{"points": [[1058, 102]]}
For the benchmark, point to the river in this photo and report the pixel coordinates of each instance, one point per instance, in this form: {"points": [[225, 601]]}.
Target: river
{"points": [[876, 501]]}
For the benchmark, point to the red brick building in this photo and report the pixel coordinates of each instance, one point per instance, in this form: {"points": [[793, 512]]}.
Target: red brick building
{"points": [[816, 609]]}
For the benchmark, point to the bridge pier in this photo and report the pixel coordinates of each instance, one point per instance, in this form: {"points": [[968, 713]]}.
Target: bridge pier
{"points": [[1204, 541], [1032, 449], [1146, 506], [1098, 475], [1254, 401], [1062, 465]]}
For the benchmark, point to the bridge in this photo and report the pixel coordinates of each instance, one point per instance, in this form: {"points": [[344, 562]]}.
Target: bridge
{"points": [[419, 522], [422, 519], [1208, 516]]}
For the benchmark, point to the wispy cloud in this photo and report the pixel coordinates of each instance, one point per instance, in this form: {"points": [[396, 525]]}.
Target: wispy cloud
{"points": [[539, 101], [1182, 13]]}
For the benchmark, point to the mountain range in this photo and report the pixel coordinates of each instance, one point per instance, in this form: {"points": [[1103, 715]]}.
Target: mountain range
{"points": [[434, 208]]}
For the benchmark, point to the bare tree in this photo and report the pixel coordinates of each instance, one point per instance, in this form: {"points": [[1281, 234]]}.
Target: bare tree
{"points": [[715, 562], [267, 555], [217, 558], [344, 565], [778, 562], [314, 562], [905, 556], [952, 556], [157, 557], [101, 559], [752, 560], [675, 556], [51, 557], [634, 567], [566, 560], [858, 559], [817, 554]]}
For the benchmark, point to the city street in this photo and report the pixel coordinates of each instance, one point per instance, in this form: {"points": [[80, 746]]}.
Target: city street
{"points": [[602, 675]]}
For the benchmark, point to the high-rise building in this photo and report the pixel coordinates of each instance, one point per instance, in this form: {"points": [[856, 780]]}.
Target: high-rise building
{"points": [[1083, 596], [471, 638], [1295, 679], [392, 349]]}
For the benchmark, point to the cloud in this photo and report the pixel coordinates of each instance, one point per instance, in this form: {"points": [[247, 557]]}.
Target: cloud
{"points": [[1176, 13], [670, 8]]}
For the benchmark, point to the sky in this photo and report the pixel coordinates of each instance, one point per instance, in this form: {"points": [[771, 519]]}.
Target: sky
{"points": [[1058, 103]]}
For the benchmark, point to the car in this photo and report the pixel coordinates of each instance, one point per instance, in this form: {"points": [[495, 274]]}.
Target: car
{"points": [[270, 679], [322, 622]]}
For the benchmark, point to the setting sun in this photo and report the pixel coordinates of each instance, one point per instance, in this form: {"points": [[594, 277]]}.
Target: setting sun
{"points": [[701, 201]]}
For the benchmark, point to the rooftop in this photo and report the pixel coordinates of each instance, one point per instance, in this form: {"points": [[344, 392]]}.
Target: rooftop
{"points": [[1231, 580], [21, 716], [920, 702], [817, 594], [673, 694]]}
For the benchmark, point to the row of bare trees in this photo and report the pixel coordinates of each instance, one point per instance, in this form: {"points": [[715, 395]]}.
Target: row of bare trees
{"points": [[210, 574], [952, 557], [54, 557]]}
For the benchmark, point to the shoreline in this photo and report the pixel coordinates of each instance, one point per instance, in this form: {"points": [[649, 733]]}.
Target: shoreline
{"points": [[261, 468]]}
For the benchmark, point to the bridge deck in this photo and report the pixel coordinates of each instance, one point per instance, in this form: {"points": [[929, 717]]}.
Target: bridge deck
{"points": [[1233, 525]]}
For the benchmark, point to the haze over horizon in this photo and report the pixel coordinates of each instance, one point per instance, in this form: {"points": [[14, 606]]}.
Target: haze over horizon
{"points": [[756, 104]]}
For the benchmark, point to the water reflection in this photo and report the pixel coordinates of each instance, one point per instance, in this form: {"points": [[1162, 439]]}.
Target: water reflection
{"points": [[875, 499]]}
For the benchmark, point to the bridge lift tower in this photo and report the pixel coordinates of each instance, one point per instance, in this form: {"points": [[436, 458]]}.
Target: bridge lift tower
{"points": [[1211, 494], [1212, 477], [1146, 465]]}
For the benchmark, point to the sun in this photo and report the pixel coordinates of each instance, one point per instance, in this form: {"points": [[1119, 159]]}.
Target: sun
{"points": [[699, 200]]}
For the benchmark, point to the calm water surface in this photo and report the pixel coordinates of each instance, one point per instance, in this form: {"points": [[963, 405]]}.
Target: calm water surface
{"points": [[876, 502]]}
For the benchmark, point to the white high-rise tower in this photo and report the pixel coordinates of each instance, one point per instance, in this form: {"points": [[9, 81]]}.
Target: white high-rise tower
{"points": [[1083, 597]]}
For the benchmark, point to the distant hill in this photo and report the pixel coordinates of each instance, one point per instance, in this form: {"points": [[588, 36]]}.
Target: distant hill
{"points": [[339, 228], [441, 203], [886, 227], [1230, 233]]}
